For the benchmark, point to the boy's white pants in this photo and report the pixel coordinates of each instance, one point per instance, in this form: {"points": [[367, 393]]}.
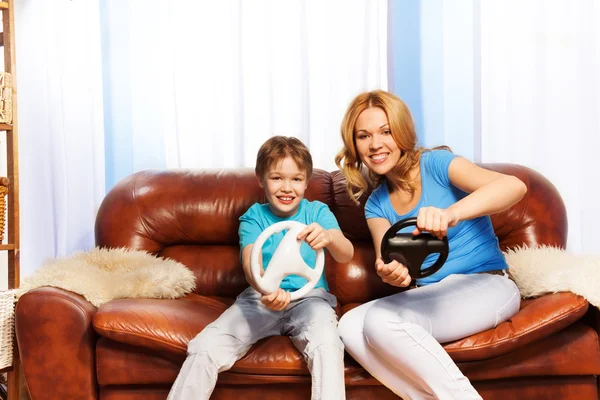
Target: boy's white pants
{"points": [[310, 322]]}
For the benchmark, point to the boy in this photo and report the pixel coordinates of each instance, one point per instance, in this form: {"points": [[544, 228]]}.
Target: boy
{"points": [[283, 168]]}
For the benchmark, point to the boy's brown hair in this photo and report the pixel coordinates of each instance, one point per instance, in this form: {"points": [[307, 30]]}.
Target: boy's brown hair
{"points": [[277, 148]]}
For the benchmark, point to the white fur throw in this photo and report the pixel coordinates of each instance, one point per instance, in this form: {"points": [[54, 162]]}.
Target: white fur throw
{"points": [[101, 275], [545, 269]]}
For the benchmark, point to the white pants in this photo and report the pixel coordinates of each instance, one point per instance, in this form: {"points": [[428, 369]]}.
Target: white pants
{"points": [[397, 338], [310, 322]]}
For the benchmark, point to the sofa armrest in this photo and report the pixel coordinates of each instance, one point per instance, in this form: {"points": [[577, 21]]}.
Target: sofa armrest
{"points": [[593, 318], [57, 344]]}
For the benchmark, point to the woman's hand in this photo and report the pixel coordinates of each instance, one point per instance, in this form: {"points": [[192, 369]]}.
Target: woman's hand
{"points": [[277, 301], [316, 236], [393, 273], [435, 221]]}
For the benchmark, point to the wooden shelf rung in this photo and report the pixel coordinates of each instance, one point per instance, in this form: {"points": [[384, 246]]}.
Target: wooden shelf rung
{"points": [[7, 246], [5, 127], [3, 5]]}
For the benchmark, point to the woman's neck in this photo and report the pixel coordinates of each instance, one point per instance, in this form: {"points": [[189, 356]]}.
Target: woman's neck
{"points": [[414, 180]]}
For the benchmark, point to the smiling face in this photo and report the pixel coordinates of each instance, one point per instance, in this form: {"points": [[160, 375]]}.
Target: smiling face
{"points": [[284, 184], [374, 142]]}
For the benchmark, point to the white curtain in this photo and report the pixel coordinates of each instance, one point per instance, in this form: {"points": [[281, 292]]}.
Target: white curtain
{"points": [[540, 99], [60, 126], [205, 83], [107, 88]]}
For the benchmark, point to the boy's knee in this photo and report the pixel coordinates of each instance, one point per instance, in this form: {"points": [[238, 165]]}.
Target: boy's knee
{"points": [[220, 348], [320, 334], [325, 350], [217, 357]]}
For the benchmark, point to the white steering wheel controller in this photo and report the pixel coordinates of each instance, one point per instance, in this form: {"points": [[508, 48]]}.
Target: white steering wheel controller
{"points": [[286, 260]]}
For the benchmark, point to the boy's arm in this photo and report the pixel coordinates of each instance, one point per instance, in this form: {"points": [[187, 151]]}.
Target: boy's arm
{"points": [[332, 239], [341, 248], [246, 265]]}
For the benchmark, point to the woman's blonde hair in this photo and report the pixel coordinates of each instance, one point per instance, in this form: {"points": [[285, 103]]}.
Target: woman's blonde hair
{"points": [[403, 132]]}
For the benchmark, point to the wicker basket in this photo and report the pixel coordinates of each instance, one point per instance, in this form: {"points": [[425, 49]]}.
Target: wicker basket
{"points": [[7, 327], [6, 106]]}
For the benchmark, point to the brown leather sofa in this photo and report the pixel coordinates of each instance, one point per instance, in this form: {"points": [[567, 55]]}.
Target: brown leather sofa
{"points": [[133, 349]]}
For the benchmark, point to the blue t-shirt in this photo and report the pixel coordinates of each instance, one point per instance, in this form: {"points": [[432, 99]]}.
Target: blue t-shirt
{"points": [[472, 243], [259, 217]]}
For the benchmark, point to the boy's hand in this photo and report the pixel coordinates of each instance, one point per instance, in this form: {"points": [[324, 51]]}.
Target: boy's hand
{"points": [[394, 273], [278, 300], [316, 237]]}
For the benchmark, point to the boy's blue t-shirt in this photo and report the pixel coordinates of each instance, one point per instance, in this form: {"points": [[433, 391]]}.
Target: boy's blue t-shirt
{"points": [[259, 217], [473, 244]]}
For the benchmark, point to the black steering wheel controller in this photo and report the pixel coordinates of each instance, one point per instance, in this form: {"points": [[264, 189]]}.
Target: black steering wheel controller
{"points": [[412, 250]]}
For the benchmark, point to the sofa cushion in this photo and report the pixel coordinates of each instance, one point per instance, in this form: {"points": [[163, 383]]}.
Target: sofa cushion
{"points": [[274, 355], [538, 318], [571, 351], [167, 326], [163, 325]]}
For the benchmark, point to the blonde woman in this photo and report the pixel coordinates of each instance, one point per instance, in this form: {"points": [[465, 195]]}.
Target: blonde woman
{"points": [[397, 338]]}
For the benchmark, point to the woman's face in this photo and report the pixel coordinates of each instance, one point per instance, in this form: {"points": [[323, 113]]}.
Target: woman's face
{"points": [[374, 142]]}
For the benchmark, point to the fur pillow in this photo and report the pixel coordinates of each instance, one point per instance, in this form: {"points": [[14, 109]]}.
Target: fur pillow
{"points": [[541, 270], [101, 275]]}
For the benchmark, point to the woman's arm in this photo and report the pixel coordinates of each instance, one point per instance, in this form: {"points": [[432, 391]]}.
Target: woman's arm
{"points": [[378, 227], [490, 192], [393, 273]]}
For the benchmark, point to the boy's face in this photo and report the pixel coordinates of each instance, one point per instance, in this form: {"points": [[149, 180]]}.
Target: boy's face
{"points": [[284, 185]]}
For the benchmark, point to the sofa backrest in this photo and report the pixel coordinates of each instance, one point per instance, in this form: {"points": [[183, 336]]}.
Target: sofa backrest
{"points": [[192, 217], [540, 218]]}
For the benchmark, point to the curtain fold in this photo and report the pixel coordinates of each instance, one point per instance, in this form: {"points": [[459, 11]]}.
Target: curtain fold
{"points": [[508, 81], [206, 83], [60, 127], [540, 99], [109, 88]]}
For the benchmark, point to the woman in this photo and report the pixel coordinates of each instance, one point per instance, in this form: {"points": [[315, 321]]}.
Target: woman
{"points": [[397, 338]]}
